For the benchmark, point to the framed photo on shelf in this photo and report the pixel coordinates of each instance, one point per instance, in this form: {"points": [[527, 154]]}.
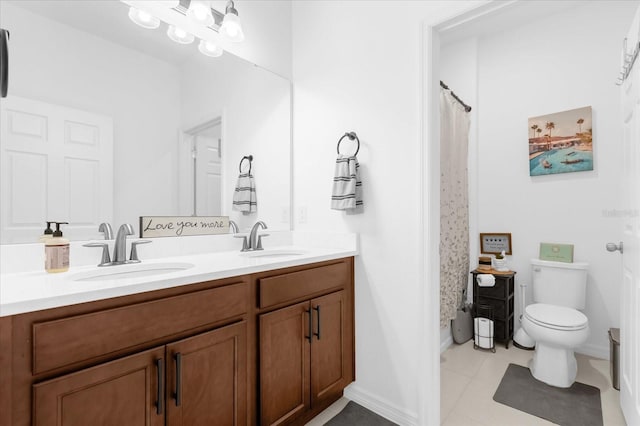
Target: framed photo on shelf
{"points": [[495, 243]]}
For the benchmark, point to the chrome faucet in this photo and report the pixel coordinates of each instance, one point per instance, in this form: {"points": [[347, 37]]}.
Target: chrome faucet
{"points": [[106, 229], [120, 249], [233, 226], [255, 241]]}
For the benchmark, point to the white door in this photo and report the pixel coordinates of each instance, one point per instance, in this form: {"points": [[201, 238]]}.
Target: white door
{"points": [[57, 165], [630, 302], [208, 175]]}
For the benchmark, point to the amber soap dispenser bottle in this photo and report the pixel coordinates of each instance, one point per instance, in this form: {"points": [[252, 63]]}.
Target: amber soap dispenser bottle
{"points": [[56, 251]]}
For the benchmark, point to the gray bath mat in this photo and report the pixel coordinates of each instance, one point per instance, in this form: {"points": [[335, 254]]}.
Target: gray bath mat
{"points": [[356, 415], [578, 405]]}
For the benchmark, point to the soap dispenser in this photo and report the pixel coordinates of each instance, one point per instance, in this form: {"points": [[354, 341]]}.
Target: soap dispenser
{"points": [[48, 233], [56, 251]]}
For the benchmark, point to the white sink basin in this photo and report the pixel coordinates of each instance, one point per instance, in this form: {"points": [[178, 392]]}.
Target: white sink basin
{"points": [[136, 270], [273, 253]]}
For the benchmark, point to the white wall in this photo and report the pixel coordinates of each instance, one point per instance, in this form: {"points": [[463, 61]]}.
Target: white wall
{"points": [[140, 93], [561, 62], [459, 71], [256, 109], [267, 30], [356, 69]]}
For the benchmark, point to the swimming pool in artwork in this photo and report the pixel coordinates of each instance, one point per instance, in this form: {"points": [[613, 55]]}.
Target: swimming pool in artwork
{"points": [[563, 160]]}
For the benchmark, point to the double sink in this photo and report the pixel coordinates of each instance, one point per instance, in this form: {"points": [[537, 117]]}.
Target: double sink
{"points": [[138, 270]]}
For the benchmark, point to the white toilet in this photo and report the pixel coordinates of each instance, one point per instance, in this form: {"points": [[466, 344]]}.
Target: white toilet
{"points": [[554, 322]]}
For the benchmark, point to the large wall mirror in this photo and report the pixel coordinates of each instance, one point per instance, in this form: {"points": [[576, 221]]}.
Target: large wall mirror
{"points": [[106, 121]]}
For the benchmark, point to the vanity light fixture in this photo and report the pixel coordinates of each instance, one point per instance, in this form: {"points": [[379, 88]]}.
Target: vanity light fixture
{"points": [[200, 12], [231, 27], [179, 35], [144, 19], [210, 49], [188, 19]]}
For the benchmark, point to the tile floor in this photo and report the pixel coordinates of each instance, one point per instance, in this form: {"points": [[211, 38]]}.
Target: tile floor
{"points": [[469, 378], [329, 413]]}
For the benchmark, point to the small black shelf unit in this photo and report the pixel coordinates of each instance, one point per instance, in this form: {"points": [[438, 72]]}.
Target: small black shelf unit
{"points": [[501, 298]]}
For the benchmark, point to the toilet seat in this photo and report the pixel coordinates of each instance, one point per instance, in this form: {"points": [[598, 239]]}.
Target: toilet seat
{"points": [[556, 317]]}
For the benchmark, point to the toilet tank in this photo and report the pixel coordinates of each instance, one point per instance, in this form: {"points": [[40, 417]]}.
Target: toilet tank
{"points": [[559, 283]]}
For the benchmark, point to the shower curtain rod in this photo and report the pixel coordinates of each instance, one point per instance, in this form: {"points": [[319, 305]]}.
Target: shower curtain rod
{"points": [[467, 108]]}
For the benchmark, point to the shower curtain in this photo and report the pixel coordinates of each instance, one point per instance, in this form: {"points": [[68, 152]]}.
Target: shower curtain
{"points": [[454, 205]]}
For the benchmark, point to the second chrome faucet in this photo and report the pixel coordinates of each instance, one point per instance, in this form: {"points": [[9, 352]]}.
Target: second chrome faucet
{"points": [[120, 246]]}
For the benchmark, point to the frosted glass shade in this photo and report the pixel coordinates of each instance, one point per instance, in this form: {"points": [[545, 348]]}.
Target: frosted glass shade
{"points": [[179, 35], [144, 19], [200, 12], [210, 49], [231, 27]]}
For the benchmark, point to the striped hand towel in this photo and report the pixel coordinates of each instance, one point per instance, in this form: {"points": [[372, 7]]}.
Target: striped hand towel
{"points": [[244, 197], [347, 187]]}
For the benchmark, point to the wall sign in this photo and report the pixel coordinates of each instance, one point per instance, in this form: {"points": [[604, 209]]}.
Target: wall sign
{"points": [[495, 243], [556, 252], [182, 226]]}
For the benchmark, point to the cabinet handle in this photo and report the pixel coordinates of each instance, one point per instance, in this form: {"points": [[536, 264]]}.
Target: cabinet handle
{"points": [[310, 325], [160, 395], [317, 334], [178, 394]]}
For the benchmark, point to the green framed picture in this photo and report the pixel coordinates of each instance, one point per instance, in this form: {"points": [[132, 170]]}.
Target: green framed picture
{"points": [[556, 252]]}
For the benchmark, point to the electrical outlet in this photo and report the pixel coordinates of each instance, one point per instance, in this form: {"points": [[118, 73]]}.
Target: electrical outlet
{"points": [[302, 214], [284, 215]]}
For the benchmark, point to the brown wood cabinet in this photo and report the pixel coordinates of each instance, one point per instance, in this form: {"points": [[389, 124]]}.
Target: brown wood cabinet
{"points": [[306, 349], [271, 347]]}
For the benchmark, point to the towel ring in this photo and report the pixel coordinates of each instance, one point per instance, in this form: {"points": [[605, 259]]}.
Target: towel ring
{"points": [[246, 157], [351, 136]]}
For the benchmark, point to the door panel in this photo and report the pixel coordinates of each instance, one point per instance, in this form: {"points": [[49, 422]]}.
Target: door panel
{"points": [[211, 369], [284, 364], [630, 303], [121, 392], [329, 355], [57, 162]]}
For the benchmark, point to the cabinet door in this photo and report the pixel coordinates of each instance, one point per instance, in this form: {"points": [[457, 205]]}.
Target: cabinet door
{"points": [[331, 350], [284, 364], [128, 391], [207, 378]]}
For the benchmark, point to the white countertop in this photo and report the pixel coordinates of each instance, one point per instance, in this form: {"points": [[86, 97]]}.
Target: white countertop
{"points": [[33, 291]]}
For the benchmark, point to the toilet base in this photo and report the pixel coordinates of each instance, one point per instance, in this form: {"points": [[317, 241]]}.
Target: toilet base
{"points": [[553, 365]]}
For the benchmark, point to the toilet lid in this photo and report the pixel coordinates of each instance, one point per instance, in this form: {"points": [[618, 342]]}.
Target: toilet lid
{"points": [[556, 317]]}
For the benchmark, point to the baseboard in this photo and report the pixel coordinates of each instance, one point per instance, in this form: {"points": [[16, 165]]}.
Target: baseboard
{"points": [[380, 406], [444, 344], [596, 351]]}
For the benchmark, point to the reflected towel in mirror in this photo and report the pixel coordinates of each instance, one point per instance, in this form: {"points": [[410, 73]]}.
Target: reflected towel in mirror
{"points": [[244, 197]]}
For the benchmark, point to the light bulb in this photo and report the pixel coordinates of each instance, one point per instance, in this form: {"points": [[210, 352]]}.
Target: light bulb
{"points": [[200, 11], [231, 27], [179, 35], [210, 49], [144, 19]]}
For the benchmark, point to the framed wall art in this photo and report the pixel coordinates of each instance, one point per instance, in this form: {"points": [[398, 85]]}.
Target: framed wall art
{"points": [[495, 243], [561, 142]]}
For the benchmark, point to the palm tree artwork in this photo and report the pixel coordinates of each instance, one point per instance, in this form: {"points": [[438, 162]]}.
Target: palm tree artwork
{"points": [[535, 129], [550, 126], [562, 142]]}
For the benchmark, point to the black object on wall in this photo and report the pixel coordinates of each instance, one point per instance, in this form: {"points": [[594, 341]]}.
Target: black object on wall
{"points": [[4, 62]]}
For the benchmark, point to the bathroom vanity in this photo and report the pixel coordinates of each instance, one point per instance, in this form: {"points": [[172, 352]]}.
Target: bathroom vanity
{"points": [[271, 346]]}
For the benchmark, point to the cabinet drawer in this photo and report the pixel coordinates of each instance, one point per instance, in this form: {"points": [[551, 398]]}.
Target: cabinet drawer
{"points": [[296, 285], [80, 338], [498, 290]]}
